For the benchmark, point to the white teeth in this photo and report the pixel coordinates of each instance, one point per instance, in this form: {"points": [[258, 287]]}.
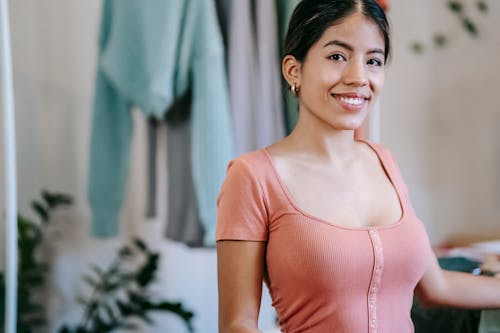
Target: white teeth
{"points": [[352, 100]]}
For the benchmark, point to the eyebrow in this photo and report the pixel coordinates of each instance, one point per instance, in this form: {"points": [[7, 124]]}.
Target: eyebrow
{"points": [[350, 48]]}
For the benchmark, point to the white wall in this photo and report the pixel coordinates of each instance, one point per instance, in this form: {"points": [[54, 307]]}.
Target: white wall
{"points": [[406, 96], [439, 116]]}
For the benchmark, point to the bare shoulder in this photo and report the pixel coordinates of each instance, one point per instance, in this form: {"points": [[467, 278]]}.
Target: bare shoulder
{"points": [[280, 148]]}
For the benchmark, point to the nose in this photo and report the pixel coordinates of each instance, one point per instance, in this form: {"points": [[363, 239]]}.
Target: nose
{"points": [[355, 74]]}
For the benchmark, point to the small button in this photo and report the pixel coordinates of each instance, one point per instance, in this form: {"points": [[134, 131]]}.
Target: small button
{"points": [[373, 232]]}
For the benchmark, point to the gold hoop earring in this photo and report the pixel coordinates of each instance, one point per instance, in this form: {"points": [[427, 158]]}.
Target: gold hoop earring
{"points": [[294, 89]]}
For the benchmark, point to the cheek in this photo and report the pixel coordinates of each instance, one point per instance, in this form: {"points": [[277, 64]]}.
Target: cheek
{"points": [[329, 76], [378, 83], [320, 76]]}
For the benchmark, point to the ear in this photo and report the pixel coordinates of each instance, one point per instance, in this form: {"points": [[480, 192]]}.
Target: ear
{"points": [[291, 69]]}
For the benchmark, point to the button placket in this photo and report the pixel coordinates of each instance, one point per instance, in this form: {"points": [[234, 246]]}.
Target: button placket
{"points": [[374, 288]]}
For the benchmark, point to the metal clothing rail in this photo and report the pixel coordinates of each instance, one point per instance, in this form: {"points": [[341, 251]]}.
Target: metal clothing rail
{"points": [[10, 171]]}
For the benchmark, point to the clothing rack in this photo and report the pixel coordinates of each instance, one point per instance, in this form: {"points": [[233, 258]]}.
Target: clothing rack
{"points": [[10, 171]]}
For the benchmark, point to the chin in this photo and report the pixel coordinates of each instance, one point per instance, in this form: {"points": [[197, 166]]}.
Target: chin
{"points": [[350, 124]]}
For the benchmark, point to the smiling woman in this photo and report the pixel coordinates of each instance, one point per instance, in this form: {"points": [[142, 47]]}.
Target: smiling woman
{"points": [[325, 219]]}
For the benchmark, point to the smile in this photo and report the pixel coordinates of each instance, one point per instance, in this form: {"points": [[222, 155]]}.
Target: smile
{"points": [[351, 100]]}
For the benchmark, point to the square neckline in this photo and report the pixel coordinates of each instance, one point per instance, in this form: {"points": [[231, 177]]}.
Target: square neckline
{"points": [[298, 209]]}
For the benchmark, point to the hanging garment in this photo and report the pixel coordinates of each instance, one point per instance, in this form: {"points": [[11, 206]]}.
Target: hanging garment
{"points": [[269, 110], [183, 221], [151, 209], [150, 54], [254, 75]]}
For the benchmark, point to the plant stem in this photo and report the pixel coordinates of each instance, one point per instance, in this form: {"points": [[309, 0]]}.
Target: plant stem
{"points": [[94, 298]]}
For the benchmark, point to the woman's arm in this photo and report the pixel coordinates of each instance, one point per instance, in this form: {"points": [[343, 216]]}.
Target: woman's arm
{"points": [[439, 287], [240, 266]]}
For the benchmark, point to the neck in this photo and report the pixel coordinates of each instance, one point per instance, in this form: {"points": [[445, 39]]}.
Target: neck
{"points": [[321, 139]]}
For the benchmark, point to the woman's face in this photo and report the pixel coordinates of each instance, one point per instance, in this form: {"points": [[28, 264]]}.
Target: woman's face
{"points": [[343, 73]]}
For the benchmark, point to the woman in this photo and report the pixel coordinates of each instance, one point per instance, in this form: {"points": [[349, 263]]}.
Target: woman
{"points": [[325, 219]]}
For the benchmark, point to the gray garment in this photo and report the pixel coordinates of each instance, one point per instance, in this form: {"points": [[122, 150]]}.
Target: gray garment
{"points": [[152, 179], [183, 220], [254, 75]]}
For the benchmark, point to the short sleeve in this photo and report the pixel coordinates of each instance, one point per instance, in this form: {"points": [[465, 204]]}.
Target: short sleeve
{"points": [[241, 208]]}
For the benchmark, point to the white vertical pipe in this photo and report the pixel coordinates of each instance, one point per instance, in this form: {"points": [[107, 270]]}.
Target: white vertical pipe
{"points": [[10, 171]]}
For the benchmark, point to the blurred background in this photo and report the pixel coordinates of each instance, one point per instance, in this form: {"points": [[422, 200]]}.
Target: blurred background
{"points": [[439, 114]]}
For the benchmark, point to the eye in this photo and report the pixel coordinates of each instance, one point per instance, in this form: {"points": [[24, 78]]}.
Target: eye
{"points": [[375, 62], [337, 57]]}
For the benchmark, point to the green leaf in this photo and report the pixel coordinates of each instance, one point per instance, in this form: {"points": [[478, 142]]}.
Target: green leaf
{"points": [[417, 47], [455, 6], [54, 200], [174, 307], [125, 252], [64, 329], [30, 307], [40, 210], [96, 269], [36, 321], [147, 319], [140, 245], [440, 40], [82, 330], [90, 281], [81, 300], [177, 309], [109, 312], [482, 6], [469, 26], [125, 309], [110, 286]]}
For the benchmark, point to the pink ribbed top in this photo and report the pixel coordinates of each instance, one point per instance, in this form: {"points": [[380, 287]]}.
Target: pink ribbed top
{"points": [[325, 277]]}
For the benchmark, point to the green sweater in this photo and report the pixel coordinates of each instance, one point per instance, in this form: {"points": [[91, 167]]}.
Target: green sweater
{"points": [[151, 53]]}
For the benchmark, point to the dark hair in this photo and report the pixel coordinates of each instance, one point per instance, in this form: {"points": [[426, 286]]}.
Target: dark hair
{"points": [[311, 18]]}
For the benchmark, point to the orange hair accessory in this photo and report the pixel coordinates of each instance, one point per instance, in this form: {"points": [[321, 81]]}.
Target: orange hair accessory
{"points": [[384, 4]]}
